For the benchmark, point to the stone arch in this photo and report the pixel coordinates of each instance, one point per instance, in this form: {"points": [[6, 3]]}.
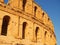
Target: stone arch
{"points": [[35, 8], [6, 1], [24, 3], [23, 29], [5, 23], [45, 33], [36, 31], [43, 14]]}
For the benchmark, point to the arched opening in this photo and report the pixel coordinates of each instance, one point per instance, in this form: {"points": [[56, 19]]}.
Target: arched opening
{"points": [[23, 30], [45, 33], [43, 14], [35, 8], [24, 3], [6, 1], [5, 23], [48, 19], [36, 31]]}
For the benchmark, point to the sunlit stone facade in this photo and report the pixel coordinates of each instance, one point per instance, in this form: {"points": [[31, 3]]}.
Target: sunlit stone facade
{"points": [[23, 22]]}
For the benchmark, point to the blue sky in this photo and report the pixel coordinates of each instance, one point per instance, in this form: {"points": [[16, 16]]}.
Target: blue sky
{"points": [[52, 7]]}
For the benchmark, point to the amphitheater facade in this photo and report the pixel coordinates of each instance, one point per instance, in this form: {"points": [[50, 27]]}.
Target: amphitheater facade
{"points": [[23, 22]]}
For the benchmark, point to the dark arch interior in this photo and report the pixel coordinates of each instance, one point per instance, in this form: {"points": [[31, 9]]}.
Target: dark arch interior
{"points": [[35, 8], [36, 31], [24, 3], [5, 23], [45, 33], [23, 30], [43, 14]]}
